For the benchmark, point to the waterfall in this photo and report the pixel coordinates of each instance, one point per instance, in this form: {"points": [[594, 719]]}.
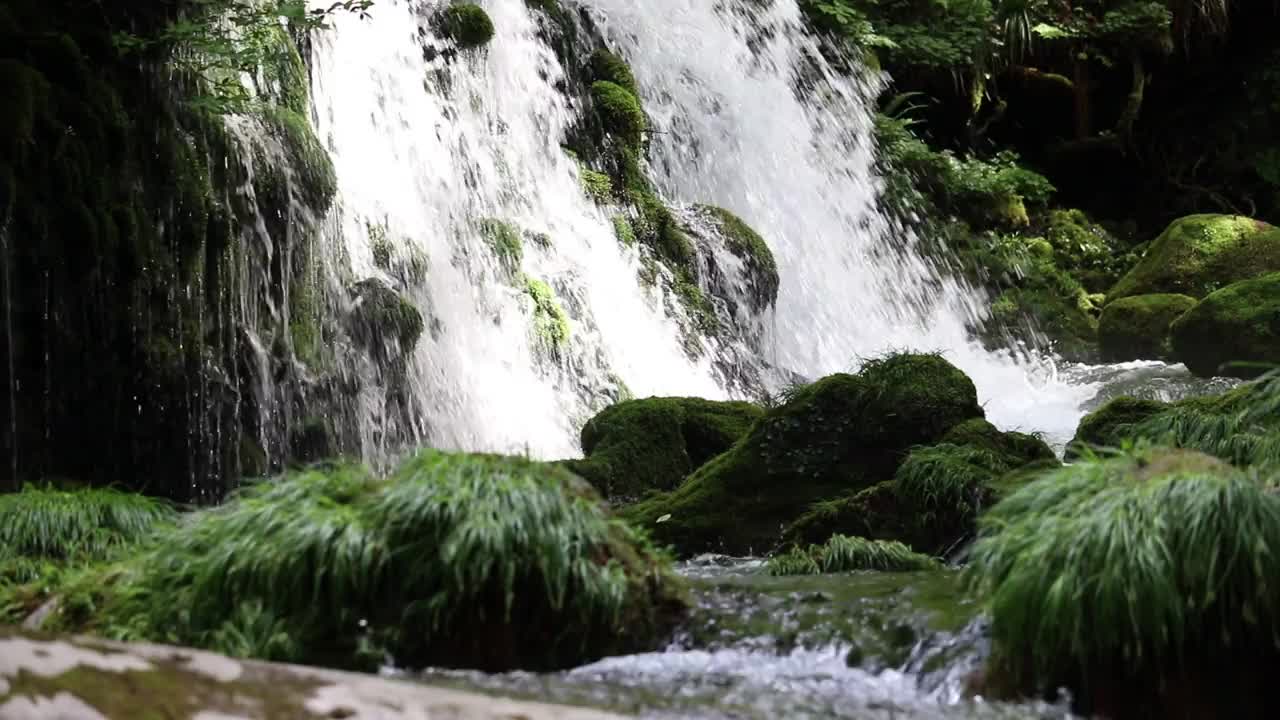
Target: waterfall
{"points": [[431, 147]]}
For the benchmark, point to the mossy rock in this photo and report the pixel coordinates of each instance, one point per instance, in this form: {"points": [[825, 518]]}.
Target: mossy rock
{"points": [[620, 112], [334, 566], [1199, 254], [639, 446], [747, 244], [936, 494], [384, 321], [830, 439], [1111, 424], [609, 67], [1234, 331], [466, 24], [1144, 584], [1137, 327]]}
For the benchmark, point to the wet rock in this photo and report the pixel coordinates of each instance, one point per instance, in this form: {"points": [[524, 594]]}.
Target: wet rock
{"points": [[86, 679]]}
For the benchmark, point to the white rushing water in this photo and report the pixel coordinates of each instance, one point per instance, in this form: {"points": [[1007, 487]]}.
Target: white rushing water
{"points": [[425, 150]]}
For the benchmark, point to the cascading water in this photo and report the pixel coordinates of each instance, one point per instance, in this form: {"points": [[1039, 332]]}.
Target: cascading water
{"points": [[427, 152], [753, 119], [749, 117]]}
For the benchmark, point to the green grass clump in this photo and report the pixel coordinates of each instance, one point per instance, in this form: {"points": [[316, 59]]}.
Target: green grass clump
{"points": [[74, 525], [1115, 577], [846, 554], [597, 185], [475, 561], [1241, 426]]}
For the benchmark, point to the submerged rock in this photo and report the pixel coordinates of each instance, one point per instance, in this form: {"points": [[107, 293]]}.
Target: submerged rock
{"points": [[832, 438], [89, 679], [1198, 254], [1137, 327], [1234, 331], [1143, 583], [639, 446]]}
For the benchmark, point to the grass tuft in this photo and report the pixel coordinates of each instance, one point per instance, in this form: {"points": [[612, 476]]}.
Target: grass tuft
{"points": [[75, 525], [845, 554], [1120, 574]]}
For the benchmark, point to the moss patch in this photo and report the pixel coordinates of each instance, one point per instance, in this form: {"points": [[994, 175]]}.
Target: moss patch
{"points": [[751, 248], [620, 112], [830, 439], [1198, 254], [550, 321], [1137, 327], [1234, 331], [639, 446]]}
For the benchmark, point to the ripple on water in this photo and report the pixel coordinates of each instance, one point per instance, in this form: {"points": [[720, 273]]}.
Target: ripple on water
{"points": [[859, 645]]}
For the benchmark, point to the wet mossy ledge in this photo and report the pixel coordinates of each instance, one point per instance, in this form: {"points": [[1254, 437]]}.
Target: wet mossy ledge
{"points": [[1144, 584], [471, 561], [638, 447], [840, 443]]}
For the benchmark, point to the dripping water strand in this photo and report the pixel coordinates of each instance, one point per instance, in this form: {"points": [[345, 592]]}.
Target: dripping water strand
{"points": [[6, 261]]}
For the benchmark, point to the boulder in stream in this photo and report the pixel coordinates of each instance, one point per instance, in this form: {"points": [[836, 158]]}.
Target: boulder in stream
{"points": [[834, 437]]}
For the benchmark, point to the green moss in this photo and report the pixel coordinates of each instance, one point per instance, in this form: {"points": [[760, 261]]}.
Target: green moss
{"points": [[754, 252], [623, 231], [830, 439], [845, 554], [383, 320], [1141, 583], [1234, 331], [467, 24], [313, 177], [609, 67], [598, 186], [505, 242], [1198, 254], [380, 246], [620, 112], [550, 322], [1110, 424], [285, 71], [701, 311], [1015, 448], [1137, 327], [639, 446]]}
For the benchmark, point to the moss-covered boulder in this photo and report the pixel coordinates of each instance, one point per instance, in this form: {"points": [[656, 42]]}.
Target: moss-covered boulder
{"points": [[1111, 424], [933, 499], [1137, 327], [1143, 583], [832, 438], [460, 560], [466, 24], [1234, 331], [761, 270], [1198, 254], [639, 446], [384, 321]]}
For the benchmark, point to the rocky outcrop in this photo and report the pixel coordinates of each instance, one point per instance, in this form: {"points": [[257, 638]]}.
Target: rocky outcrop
{"points": [[90, 679]]}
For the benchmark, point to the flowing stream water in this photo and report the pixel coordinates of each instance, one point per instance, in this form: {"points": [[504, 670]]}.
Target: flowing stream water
{"points": [[430, 145]]}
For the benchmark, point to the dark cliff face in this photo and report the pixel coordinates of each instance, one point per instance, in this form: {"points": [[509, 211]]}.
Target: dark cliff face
{"points": [[133, 312]]}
